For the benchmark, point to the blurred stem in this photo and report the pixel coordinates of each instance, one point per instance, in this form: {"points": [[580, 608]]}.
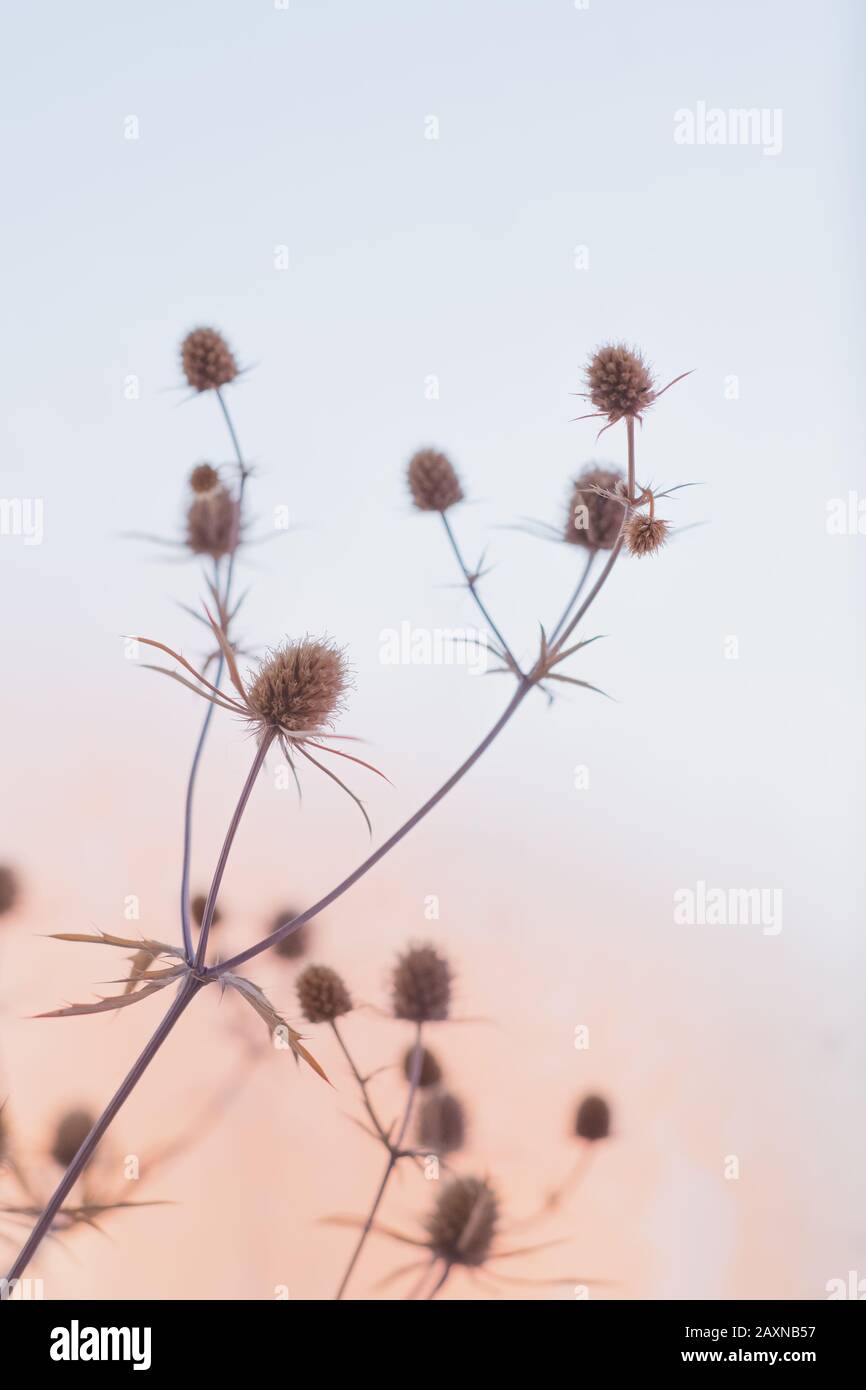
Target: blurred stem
{"points": [[439, 1283], [362, 1084], [186, 924], [393, 1159], [575, 596], [471, 584]]}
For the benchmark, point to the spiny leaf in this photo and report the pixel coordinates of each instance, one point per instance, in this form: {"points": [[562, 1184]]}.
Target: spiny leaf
{"points": [[156, 948], [118, 1001], [258, 1000]]}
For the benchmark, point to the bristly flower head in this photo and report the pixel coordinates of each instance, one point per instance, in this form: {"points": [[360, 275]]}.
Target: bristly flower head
{"points": [[203, 478], [433, 483], [213, 523], [207, 360], [644, 535], [421, 985], [72, 1130], [441, 1124], [294, 945], [322, 994], [294, 697], [430, 1073], [594, 520], [620, 384], [592, 1121], [462, 1224], [8, 888]]}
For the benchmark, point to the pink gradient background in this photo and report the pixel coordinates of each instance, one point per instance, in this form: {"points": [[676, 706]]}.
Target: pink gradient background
{"points": [[556, 904]]}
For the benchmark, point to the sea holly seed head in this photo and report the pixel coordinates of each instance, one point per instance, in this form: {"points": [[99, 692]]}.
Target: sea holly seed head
{"points": [[300, 686], [462, 1225], [207, 360], [592, 1120], [72, 1130], [293, 946], [644, 535], [203, 479], [421, 985], [322, 995], [441, 1124], [430, 1073], [619, 382], [594, 520], [212, 523], [8, 888], [433, 483]]}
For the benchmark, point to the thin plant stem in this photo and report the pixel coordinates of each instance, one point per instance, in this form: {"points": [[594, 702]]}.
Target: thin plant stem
{"points": [[393, 1159], [362, 1085], [213, 891], [439, 1283], [472, 585], [188, 989], [617, 547], [584, 575], [186, 924]]}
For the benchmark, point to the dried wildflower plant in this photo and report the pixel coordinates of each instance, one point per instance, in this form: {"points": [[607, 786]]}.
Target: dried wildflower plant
{"points": [[292, 700]]}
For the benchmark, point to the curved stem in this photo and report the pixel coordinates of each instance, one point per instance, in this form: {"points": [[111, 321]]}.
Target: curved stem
{"points": [[186, 924], [576, 595], [393, 1159], [213, 891], [362, 1086], [188, 989], [439, 1283], [288, 927], [471, 583]]}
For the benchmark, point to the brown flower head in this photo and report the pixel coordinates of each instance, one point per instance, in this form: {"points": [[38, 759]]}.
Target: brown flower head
{"points": [[322, 994], [433, 483], [592, 1121], [644, 534], [213, 524], [299, 687], [619, 382], [430, 1073], [8, 888], [462, 1224], [197, 906], [594, 521], [207, 360], [441, 1124], [4, 1135], [294, 945], [204, 478], [72, 1130], [421, 985]]}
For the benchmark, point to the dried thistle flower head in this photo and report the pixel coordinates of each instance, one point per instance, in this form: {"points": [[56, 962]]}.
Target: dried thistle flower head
{"points": [[72, 1130], [441, 1123], [213, 524], [619, 382], [207, 360], [300, 686], [294, 945], [8, 888], [197, 906], [462, 1224], [594, 521], [421, 985], [430, 1073], [322, 994], [644, 534], [204, 478], [433, 483], [592, 1121]]}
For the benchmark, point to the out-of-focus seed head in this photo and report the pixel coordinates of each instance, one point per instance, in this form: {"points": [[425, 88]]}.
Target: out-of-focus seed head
{"points": [[594, 521], [430, 1073], [197, 906], [8, 888], [619, 382], [592, 1120], [203, 479], [207, 360], [441, 1123], [72, 1130], [421, 985], [433, 483], [300, 686], [463, 1222], [322, 994], [4, 1136], [212, 524], [644, 535], [293, 946]]}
